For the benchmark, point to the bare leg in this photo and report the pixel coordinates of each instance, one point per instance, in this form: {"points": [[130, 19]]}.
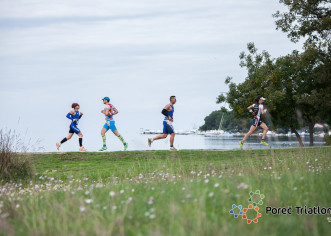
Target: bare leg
{"points": [[251, 130], [162, 136], [265, 130], [151, 140], [70, 136], [58, 145], [103, 131], [172, 138]]}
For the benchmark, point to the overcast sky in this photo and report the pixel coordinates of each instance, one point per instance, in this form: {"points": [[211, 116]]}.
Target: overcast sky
{"points": [[54, 53]]}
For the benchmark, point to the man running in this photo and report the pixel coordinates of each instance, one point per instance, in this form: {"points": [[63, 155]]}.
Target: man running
{"points": [[168, 112], [74, 115], [109, 111], [256, 110]]}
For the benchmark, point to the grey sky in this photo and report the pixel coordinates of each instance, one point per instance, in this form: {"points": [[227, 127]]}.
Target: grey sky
{"points": [[138, 53]]}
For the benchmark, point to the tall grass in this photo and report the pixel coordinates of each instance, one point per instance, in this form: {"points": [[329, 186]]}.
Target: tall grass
{"points": [[166, 193], [13, 164]]}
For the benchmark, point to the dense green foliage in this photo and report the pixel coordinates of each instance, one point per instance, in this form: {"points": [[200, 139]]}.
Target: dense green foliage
{"points": [[297, 86], [310, 19], [229, 123]]}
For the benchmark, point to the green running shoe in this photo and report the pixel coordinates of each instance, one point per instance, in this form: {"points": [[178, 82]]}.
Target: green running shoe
{"points": [[104, 148], [264, 143], [126, 146], [241, 145]]}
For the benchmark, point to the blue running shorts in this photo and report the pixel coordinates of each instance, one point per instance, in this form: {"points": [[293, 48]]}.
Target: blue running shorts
{"points": [[73, 129], [111, 125], [168, 128]]}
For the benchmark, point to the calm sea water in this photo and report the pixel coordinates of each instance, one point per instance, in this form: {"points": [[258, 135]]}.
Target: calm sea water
{"points": [[139, 142], [202, 142]]}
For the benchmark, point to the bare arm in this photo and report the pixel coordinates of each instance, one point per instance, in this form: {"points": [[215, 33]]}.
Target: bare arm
{"points": [[263, 111], [168, 108], [250, 107], [72, 112], [105, 112], [115, 111]]}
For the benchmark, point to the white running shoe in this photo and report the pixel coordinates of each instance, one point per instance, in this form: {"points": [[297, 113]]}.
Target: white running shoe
{"points": [[173, 149]]}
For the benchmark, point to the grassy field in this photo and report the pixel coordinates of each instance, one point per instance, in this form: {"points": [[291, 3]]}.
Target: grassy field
{"points": [[168, 193]]}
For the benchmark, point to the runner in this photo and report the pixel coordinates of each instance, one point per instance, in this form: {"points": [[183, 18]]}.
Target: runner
{"points": [[109, 112], [168, 112], [74, 115], [256, 110]]}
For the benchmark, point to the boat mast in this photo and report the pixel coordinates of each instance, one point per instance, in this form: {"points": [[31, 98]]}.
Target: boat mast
{"points": [[220, 126]]}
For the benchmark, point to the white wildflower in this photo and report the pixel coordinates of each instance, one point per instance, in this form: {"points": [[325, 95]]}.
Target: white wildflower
{"points": [[88, 201]]}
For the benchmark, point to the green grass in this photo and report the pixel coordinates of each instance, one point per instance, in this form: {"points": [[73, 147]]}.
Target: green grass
{"points": [[168, 193]]}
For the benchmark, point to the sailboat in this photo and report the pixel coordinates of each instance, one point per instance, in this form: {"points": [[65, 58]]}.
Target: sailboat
{"points": [[219, 132]]}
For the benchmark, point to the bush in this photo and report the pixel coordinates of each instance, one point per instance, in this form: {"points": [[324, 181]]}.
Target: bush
{"points": [[15, 163], [327, 139]]}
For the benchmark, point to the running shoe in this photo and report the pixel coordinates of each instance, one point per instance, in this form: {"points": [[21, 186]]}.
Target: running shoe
{"points": [[82, 149], [241, 145], [126, 146], [104, 148], [173, 149], [58, 146], [149, 142], [264, 143]]}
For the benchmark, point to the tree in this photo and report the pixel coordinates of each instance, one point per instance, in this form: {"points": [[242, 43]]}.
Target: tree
{"points": [[313, 87], [212, 121], [230, 123], [270, 78], [310, 19], [283, 109]]}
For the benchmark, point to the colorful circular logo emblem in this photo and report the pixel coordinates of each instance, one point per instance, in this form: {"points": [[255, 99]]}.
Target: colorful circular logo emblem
{"points": [[259, 197], [251, 208], [236, 210], [255, 198]]}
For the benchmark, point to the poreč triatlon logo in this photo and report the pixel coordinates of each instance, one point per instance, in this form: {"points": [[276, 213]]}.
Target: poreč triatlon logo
{"points": [[255, 199]]}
